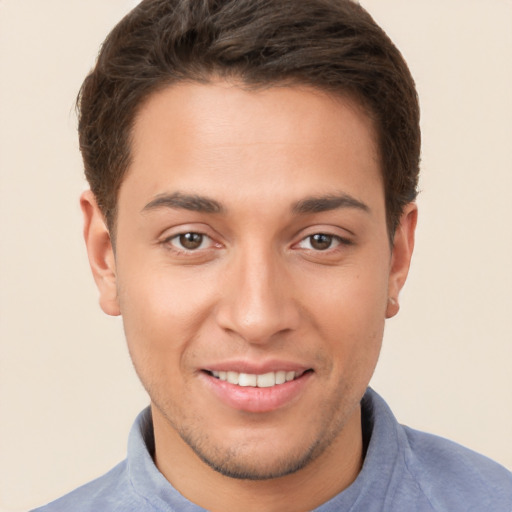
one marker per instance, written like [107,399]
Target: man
[253,168]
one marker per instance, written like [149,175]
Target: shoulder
[429,473]
[111,492]
[451,476]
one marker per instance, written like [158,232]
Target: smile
[265,380]
[259,391]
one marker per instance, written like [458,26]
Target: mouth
[261,391]
[263,380]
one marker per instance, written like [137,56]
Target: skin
[258,290]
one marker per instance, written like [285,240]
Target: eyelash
[183,250]
[338,240]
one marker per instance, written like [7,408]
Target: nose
[258,302]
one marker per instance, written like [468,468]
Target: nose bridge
[259,301]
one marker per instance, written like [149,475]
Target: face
[253,271]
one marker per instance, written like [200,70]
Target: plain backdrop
[68,394]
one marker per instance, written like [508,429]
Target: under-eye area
[265,380]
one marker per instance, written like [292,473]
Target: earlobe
[403,246]
[100,252]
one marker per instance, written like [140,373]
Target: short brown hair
[333,45]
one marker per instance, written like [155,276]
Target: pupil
[191,240]
[321,241]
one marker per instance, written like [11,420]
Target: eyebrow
[202,204]
[326,203]
[190,202]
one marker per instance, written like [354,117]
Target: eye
[321,242]
[190,241]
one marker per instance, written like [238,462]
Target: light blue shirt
[404,471]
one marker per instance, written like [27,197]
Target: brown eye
[320,241]
[189,244]
[191,241]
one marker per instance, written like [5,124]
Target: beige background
[68,394]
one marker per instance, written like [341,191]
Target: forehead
[281,141]
[234,106]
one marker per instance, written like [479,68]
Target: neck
[322,479]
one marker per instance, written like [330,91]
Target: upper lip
[256,368]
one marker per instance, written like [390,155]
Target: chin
[251,467]
[260,459]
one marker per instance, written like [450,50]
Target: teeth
[280,377]
[265,380]
[246,379]
[232,377]
[290,376]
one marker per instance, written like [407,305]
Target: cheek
[161,311]
[353,297]
[348,309]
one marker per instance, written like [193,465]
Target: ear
[100,252]
[403,245]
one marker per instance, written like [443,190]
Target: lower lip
[253,399]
